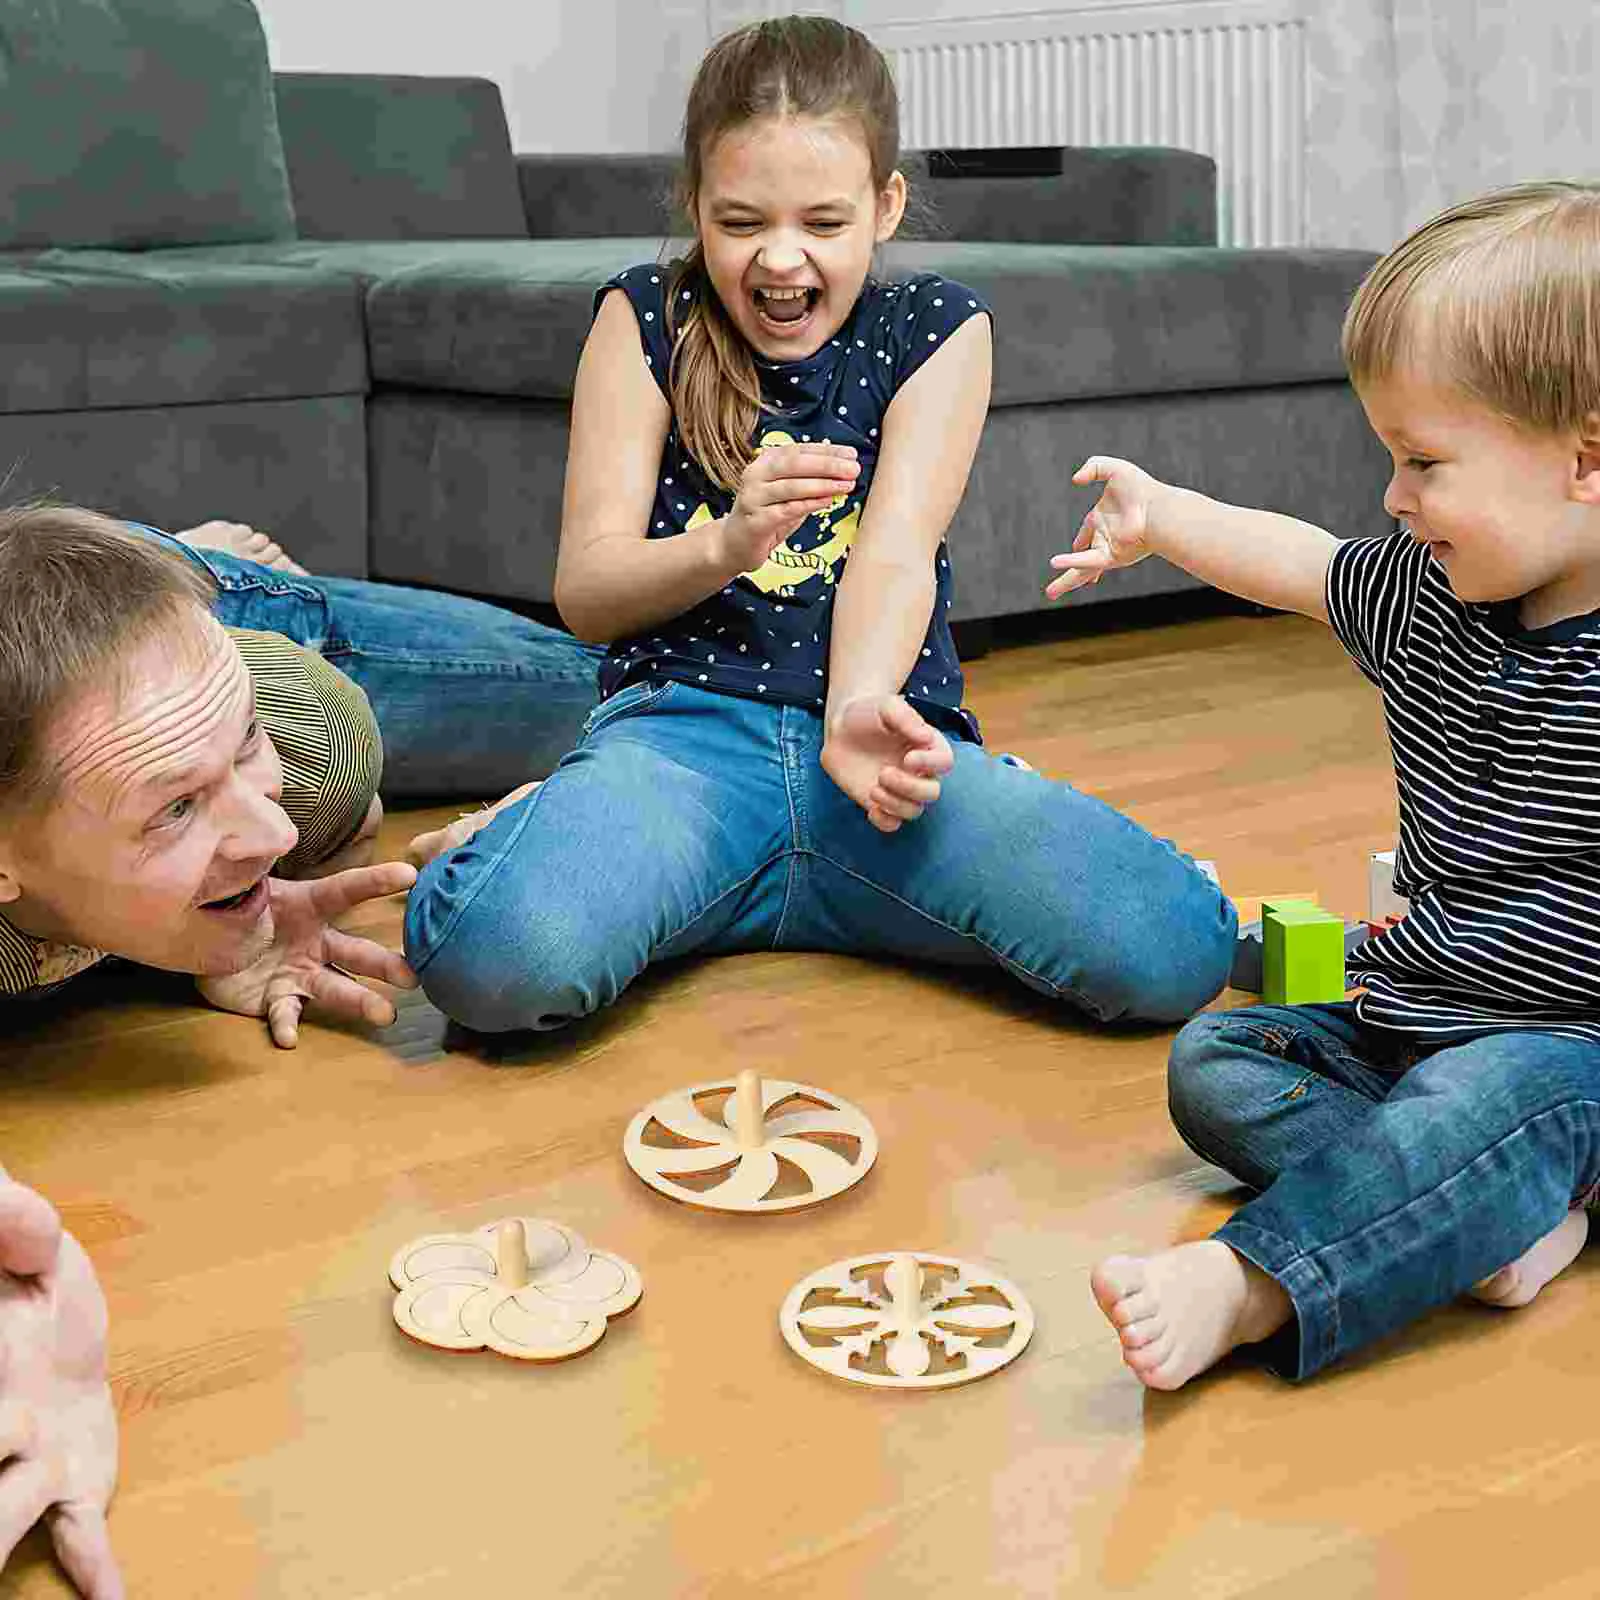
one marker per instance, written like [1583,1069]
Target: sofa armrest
[597,196]
[1072,195]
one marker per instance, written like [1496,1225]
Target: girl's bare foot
[1183,1310]
[437,841]
[237,539]
[1518,1283]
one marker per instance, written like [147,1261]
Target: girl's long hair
[784,67]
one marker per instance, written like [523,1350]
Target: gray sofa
[341,307]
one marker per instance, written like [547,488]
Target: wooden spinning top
[750,1144]
[906,1320]
[523,1287]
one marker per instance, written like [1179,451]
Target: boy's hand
[783,486]
[886,758]
[1113,533]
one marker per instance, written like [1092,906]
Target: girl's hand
[783,486]
[886,758]
[1114,532]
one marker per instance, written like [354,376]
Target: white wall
[576,74]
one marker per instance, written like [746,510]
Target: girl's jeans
[470,700]
[1394,1174]
[690,821]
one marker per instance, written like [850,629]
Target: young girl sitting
[767,445]
[1442,1132]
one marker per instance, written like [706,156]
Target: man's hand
[886,758]
[1113,534]
[310,960]
[58,1429]
[783,486]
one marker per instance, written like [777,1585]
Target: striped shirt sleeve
[324,732]
[1371,594]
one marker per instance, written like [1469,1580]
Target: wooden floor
[281,1438]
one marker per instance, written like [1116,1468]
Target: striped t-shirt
[1495,732]
[323,730]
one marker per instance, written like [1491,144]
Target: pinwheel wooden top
[906,1320]
[750,1144]
[523,1287]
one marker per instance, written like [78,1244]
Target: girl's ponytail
[716,390]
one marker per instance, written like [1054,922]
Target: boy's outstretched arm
[1274,560]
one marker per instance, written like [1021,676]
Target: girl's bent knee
[1167,974]
[497,973]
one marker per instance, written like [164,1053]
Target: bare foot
[238,539]
[436,841]
[1518,1283]
[1183,1310]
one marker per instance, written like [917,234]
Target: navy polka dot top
[765,635]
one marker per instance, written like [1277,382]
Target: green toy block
[1302,953]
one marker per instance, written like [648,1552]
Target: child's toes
[1137,1335]
[1115,1280]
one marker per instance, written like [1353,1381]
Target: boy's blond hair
[1498,297]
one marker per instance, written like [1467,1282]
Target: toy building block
[1248,953]
[1302,953]
[1384,906]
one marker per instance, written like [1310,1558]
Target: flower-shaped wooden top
[522,1287]
[750,1144]
[905,1320]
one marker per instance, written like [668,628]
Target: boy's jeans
[690,821]
[1395,1174]
[470,700]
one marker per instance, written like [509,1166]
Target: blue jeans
[470,699]
[1394,1174]
[689,821]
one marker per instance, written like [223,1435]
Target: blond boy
[1440,1133]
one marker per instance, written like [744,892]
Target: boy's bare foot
[1518,1283]
[436,841]
[238,539]
[1183,1310]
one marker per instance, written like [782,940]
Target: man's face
[165,819]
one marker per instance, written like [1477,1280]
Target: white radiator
[1226,77]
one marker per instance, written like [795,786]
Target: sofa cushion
[1071,321]
[377,157]
[103,329]
[505,316]
[137,122]
[597,196]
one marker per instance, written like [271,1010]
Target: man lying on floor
[190,755]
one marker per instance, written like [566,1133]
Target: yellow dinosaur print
[786,566]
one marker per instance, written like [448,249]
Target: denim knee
[496,974]
[1165,969]
[1202,1095]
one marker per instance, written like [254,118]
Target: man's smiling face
[163,820]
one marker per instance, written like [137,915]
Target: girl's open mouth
[784,310]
